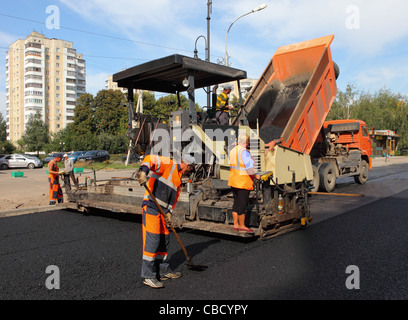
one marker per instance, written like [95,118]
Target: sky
[370,44]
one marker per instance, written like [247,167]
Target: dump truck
[342,149]
[283,115]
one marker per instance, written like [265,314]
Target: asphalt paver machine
[283,116]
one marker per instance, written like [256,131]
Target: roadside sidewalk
[383,161]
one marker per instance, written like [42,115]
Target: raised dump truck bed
[292,98]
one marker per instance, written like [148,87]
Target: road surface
[354,249]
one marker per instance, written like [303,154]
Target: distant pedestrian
[69,171]
[55,191]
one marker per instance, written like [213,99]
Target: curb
[23,211]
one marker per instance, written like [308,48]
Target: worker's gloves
[141,177]
[167,218]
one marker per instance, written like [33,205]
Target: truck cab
[343,148]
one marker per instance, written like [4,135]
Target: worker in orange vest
[242,174]
[164,183]
[55,191]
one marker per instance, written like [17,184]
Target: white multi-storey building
[44,75]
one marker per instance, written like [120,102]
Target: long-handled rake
[196,267]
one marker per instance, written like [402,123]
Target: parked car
[49,158]
[52,156]
[95,155]
[20,161]
[75,155]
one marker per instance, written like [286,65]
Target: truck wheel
[316,179]
[327,173]
[336,70]
[363,176]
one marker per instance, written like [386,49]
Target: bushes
[111,143]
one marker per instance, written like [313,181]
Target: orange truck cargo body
[292,98]
[290,103]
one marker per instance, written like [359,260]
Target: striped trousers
[156,239]
[55,191]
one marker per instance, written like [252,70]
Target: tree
[36,135]
[343,104]
[381,110]
[110,112]
[84,115]
[7,147]
[3,126]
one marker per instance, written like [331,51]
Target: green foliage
[112,143]
[7,147]
[383,110]
[36,134]
[84,116]
[164,106]
[100,122]
[110,112]
[3,125]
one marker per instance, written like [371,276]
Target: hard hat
[188,159]
[65,155]
[227,87]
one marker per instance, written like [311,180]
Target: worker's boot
[171,275]
[154,283]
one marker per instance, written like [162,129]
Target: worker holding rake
[164,186]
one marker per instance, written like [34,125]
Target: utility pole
[209,10]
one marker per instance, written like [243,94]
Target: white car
[19,161]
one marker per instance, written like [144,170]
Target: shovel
[196,267]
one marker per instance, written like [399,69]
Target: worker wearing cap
[164,183]
[55,191]
[69,171]
[222,106]
[242,174]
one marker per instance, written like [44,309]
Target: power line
[120,58]
[95,33]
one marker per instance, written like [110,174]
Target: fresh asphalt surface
[99,256]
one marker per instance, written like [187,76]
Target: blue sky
[370,45]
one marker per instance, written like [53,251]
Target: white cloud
[380,23]
[160,22]
[381,29]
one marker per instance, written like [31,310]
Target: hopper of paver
[292,98]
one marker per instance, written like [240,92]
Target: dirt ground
[31,190]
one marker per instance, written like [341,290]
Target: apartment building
[45,75]
[246,86]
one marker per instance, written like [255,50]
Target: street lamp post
[259,8]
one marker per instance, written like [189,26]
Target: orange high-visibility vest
[222,102]
[164,182]
[239,177]
[55,191]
